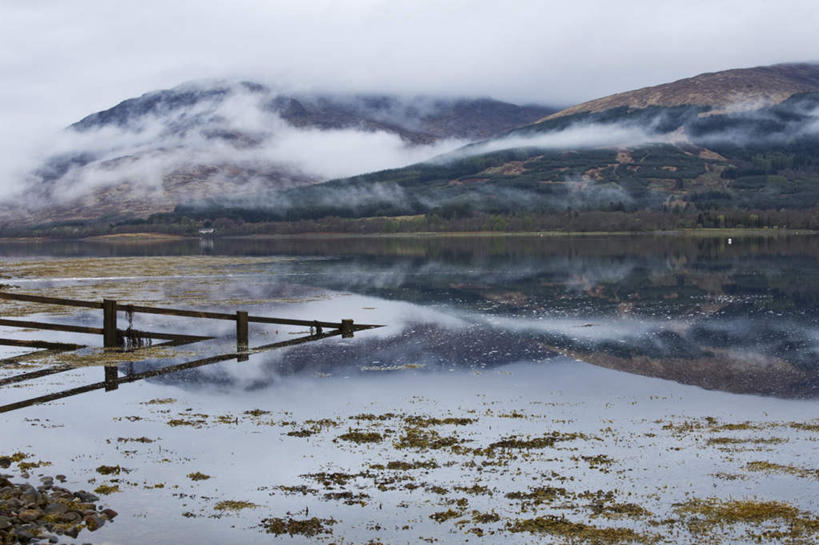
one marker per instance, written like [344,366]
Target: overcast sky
[61,60]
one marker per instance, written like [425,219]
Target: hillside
[670,156]
[660,159]
[147,155]
[741,88]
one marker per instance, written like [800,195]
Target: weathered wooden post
[109,323]
[347,329]
[111,378]
[241,335]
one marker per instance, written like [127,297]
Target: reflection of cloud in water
[434,340]
[589,330]
[594,273]
[456,307]
[424,346]
[372,275]
[392,271]
[776,337]
[784,339]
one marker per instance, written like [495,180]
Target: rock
[110,513]
[55,508]
[31,497]
[69,516]
[32,516]
[94,522]
[29,515]
[24,534]
[84,496]
[61,478]
[5,461]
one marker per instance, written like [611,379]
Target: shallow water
[669,369]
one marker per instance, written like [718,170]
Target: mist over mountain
[740,139]
[701,147]
[147,155]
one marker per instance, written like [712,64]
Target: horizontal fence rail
[99,331]
[40,344]
[178,312]
[48,300]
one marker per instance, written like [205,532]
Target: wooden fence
[118,339]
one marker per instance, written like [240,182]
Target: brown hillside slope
[749,87]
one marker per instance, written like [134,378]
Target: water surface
[664,368]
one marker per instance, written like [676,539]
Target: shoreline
[732,232]
[148,238]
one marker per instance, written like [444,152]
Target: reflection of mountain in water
[422,346]
[739,317]
[743,357]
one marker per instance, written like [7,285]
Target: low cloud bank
[237,145]
[232,136]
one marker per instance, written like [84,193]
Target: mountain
[732,148]
[681,149]
[418,119]
[148,154]
[741,88]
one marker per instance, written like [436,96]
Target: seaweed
[576,531]
[308,527]
[234,505]
[358,436]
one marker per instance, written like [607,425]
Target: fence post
[111,378]
[346,329]
[241,334]
[109,323]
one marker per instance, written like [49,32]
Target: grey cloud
[227,124]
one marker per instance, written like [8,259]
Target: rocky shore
[44,513]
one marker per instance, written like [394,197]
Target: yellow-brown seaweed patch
[575,531]
[308,527]
[234,505]
[358,436]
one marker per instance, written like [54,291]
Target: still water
[547,388]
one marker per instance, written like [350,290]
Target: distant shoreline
[732,232]
[134,237]
[148,238]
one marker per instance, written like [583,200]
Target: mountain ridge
[740,88]
[337,110]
